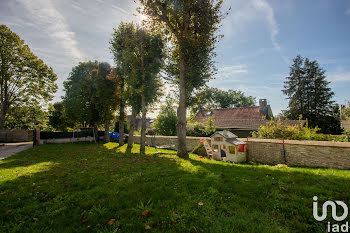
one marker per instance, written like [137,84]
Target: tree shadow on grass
[89,184]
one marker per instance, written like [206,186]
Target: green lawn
[81,187]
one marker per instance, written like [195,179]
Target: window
[232,149]
[217,139]
[216,148]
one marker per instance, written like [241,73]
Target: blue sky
[260,39]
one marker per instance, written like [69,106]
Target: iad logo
[333,205]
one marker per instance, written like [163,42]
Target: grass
[99,188]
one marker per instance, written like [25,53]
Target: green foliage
[27,84]
[197,129]
[126,125]
[309,95]
[78,93]
[90,93]
[27,117]
[58,118]
[276,129]
[210,97]
[138,54]
[165,122]
[210,127]
[346,112]
[191,27]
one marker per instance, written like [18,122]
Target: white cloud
[347,12]
[54,25]
[119,9]
[244,12]
[228,72]
[339,77]
[266,9]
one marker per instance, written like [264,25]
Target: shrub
[276,129]
[197,129]
[165,123]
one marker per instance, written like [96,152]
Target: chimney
[262,104]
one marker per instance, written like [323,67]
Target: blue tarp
[114,135]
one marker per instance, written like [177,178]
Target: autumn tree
[27,84]
[190,28]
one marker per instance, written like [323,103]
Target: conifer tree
[310,96]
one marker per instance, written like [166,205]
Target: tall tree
[105,97]
[78,94]
[309,95]
[148,54]
[25,81]
[121,47]
[90,96]
[190,28]
[293,88]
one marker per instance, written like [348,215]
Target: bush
[276,129]
[165,123]
[197,129]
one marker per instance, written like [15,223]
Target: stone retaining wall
[299,153]
[7,135]
[275,151]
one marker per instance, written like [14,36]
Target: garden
[88,187]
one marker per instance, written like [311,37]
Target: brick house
[240,121]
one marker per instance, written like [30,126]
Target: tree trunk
[143,105]
[2,116]
[181,114]
[4,104]
[132,129]
[107,131]
[143,125]
[96,131]
[121,124]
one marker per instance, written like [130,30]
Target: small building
[226,146]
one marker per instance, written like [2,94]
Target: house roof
[235,142]
[249,118]
[226,134]
[252,113]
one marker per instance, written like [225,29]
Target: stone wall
[275,151]
[299,153]
[16,135]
